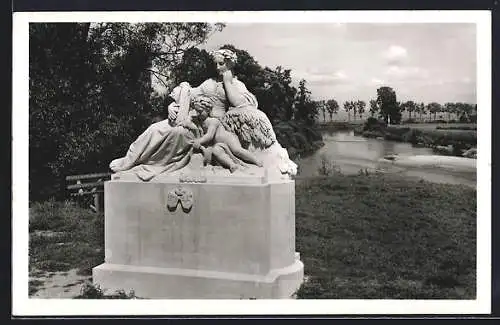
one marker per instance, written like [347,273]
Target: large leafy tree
[434,108]
[333,107]
[91,92]
[388,105]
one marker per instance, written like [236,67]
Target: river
[351,153]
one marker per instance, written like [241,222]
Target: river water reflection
[352,153]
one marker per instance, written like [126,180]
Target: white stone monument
[192,213]
[205,237]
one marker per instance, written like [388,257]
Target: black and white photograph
[293,162]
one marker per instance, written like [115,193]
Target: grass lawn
[368,236]
[386,237]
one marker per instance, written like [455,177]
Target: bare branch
[155,73]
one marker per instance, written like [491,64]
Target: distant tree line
[386,107]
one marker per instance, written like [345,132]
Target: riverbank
[443,141]
[334,126]
[365,236]
[299,139]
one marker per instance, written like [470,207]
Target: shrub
[413,136]
[372,124]
[398,131]
[410,121]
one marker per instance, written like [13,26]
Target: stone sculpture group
[245,138]
[203,204]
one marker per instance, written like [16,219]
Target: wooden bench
[89,184]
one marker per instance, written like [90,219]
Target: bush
[413,136]
[298,138]
[397,131]
[372,124]
[410,121]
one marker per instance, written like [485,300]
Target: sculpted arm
[233,91]
[212,125]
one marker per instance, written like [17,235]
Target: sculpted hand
[227,76]
[196,144]
[172,111]
[188,124]
[205,104]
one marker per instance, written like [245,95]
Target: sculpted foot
[233,168]
[118,165]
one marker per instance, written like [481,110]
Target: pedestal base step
[170,283]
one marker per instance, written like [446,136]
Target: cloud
[395,54]
[320,76]
[279,43]
[377,81]
[408,72]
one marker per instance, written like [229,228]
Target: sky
[423,62]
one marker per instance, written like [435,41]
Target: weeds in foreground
[91,291]
[328,167]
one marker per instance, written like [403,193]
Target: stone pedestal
[216,237]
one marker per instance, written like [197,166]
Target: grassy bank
[333,126]
[384,236]
[367,236]
[446,141]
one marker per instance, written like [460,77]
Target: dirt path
[56,284]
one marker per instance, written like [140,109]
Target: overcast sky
[422,62]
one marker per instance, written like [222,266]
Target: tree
[373,107]
[321,106]
[387,102]
[91,93]
[333,107]
[348,108]
[421,108]
[354,107]
[409,106]
[361,108]
[467,112]
[434,108]
[450,108]
[305,110]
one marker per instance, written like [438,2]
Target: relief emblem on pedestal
[181,196]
